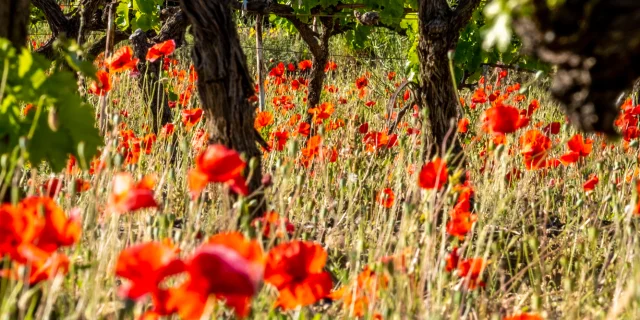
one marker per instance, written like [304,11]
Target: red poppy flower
[291,67]
[277,71]
[58,229]
[102,85]
[590,184]
[472,269]
[305,65]
[479,96]
[391,75]
[19,227]
[552,128]
[330,66]
[463,125]
[461,223]
[362,82]
[190,117]
[433,175]
[145,266]
[452,260]
[370,103]
[501,119]
[579,145]
[296,270]
[122,60]
[386,198]
[168,129]
[534,146]
[273,219]
[279,140]
[128,196]
[160,50]
[524,316]
[363,128]
[263,119]
[218,164]
[322,112]
[304,129]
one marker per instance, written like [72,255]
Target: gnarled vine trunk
[224,84]
[153,90]
[14,19]
[440,27]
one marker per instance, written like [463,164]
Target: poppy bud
[53,121]
[266,180]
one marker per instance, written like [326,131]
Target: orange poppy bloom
[190,117]
[304,129]
[479,96]
[534,146]
[463,125]
[461,223]
[362,292]
[433,175]
[218,164]
[386,198]
[330,66]
[322,112]
[145,266]
[102,85]
[305,65]
[279,138]
[122,60]
[296,270]
[263,119]
[128,196]
[391,75]
[362,82]
[581,146]
[160,50]
[472,269]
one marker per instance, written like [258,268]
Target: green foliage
[60,124]
[146,14]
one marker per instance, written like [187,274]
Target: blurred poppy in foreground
[433,175]
[30,235]
[127,195]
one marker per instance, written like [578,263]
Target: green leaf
[25,62]
[122,15]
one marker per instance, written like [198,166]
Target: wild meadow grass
[551,248]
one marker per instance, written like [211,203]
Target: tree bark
[153,90]
[596,48]
[14,19]
[224,84]
[440,28]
